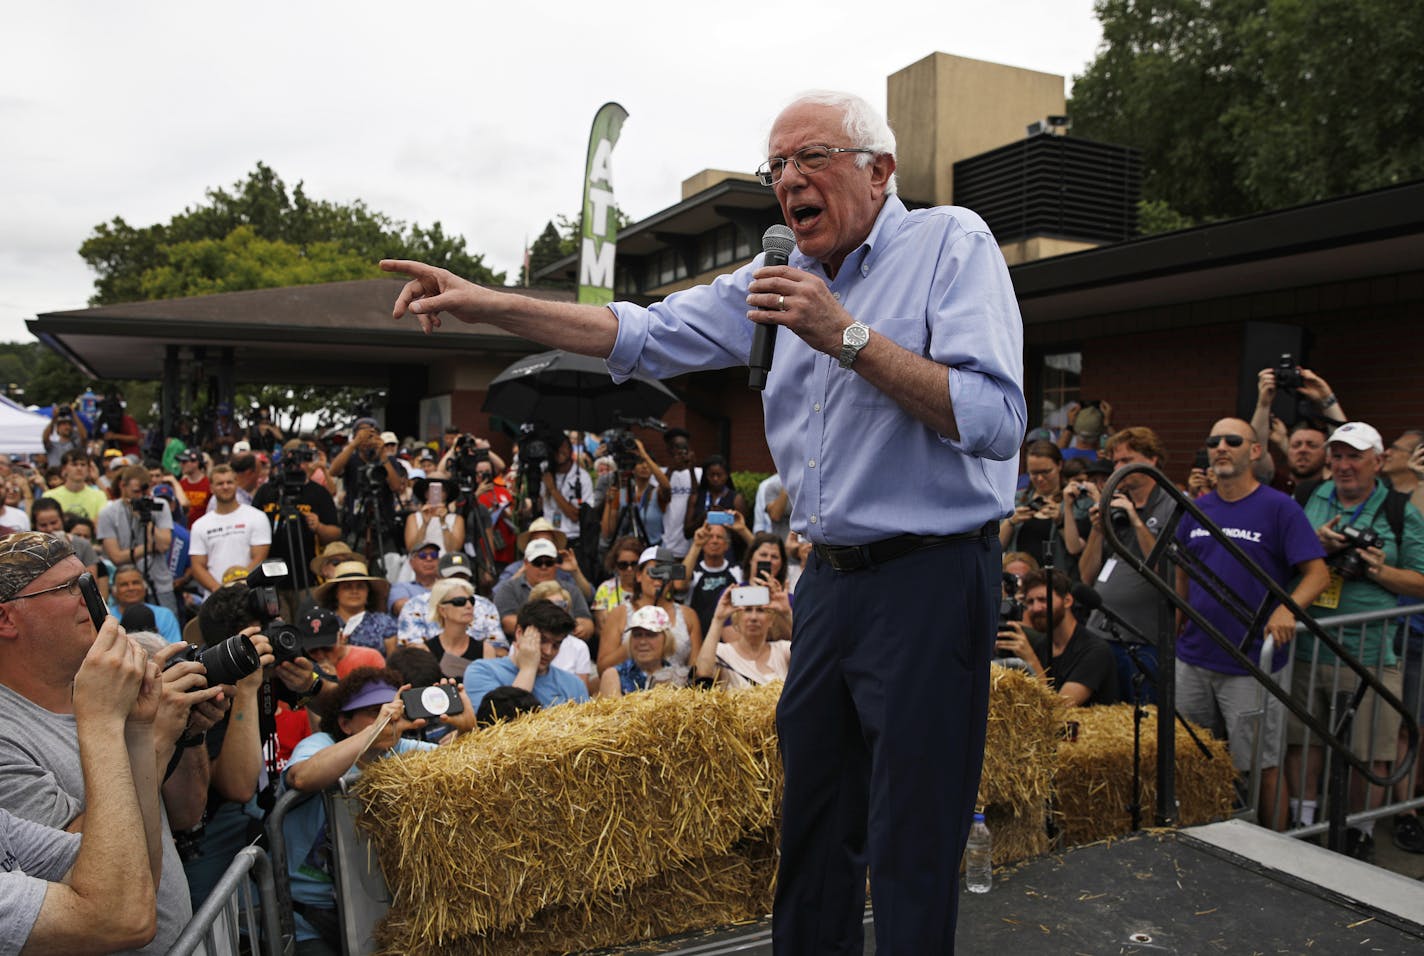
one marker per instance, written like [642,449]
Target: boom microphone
[777,243]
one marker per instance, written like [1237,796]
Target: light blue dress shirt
[857,467]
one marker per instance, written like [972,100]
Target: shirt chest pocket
[908,332]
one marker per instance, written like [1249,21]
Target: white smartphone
[751,595]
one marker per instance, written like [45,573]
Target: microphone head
[1086,596]
[777,242]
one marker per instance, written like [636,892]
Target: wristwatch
[855,337]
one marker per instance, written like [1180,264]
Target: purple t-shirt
[1274,532]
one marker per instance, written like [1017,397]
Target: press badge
[1330,597]
[1107,570]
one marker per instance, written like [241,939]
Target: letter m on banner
[599,239]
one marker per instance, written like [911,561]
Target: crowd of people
[346,575]
[1329,513]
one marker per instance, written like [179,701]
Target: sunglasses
[458,601]
[427,555]
[543,562]
[627,565]
[1232,441]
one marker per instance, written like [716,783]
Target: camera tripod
[630,515]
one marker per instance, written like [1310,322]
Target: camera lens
[230,661]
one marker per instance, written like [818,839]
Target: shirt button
[811,463]
[813,519]
[816,407]
[865,270]
[836,296]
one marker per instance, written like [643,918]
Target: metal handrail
[277,844]
[1364,617]
[252,860]
[1166,545]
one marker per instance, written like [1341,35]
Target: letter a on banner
[599,238]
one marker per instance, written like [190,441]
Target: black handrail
[1167,545]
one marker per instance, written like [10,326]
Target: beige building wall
[708,178]
[946,108]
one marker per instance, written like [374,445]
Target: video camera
[669,570]
[537,443]
[111,414]
[293,476]
[467,459]
[623,447]
[1349,562]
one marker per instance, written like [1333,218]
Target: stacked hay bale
[1094,779]
[1021,744]
[581,826]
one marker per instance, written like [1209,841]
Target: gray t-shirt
[1123,589]
[119,522]
[513,594]
[40,780]
[30,856]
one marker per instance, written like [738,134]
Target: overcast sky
[475,114]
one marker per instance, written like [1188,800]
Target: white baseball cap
[1358,435]
[541,548]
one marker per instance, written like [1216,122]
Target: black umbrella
[572,391]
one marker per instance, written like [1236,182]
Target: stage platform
[1223,888]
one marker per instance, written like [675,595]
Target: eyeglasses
[1233,441]
[627,565]
[427,555]
[808,159]
[1042,474]
[71,588]
[543,562]
[458,601]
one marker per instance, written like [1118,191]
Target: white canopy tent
[20,429]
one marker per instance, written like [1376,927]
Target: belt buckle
[848,559]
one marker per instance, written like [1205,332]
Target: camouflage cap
[27,555]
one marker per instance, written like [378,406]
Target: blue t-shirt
[1274,532]
[556,686]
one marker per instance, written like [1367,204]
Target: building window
[1061,375]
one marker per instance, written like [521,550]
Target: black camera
[146,506]
[289,642]
[668,571]
[624,448]
[1288,373]
[63,413]
[225,663]
[467,458]
[537,443]
[111,414]
[1349,562]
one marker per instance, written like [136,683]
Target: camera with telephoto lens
[1288,373]
[293,476]
[225,663]
[146,506]
[467,459]
[1350,562]
[263,607]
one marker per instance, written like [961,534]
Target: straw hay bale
[1021,741]
[1094,779]
[711,891]
[567,805]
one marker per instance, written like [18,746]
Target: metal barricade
[231,915]
[1309,764]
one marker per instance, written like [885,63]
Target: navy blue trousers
[881,725]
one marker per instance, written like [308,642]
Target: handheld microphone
[777,242]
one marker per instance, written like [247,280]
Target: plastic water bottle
[978,857]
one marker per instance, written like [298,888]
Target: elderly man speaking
[894,412]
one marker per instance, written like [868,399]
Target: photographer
[364,720]
[62,433]
[1307,385]
[261,434]
[138,530]
[648,484]
[117,427]
[564,488]
[303,518]
[1374,546]
[95,892]
[373,482]
[1081,666]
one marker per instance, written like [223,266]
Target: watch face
[857,335]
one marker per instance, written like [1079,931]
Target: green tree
[260,217]
[1245,105]
[548,248]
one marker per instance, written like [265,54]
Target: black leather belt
[858,558]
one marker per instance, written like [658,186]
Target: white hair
[863,124]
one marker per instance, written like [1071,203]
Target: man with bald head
[1213,689]
[903,354]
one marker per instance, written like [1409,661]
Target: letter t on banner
[599,238]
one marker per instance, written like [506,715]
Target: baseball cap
[373,694]
[320,628]
[389,438]
[1088,423]
[1358,435]
[241,447]
[112,453]
[189,455]
[650,618]
[1098,466]
[541,548]
[456,563]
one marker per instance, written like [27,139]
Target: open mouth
[805,214]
